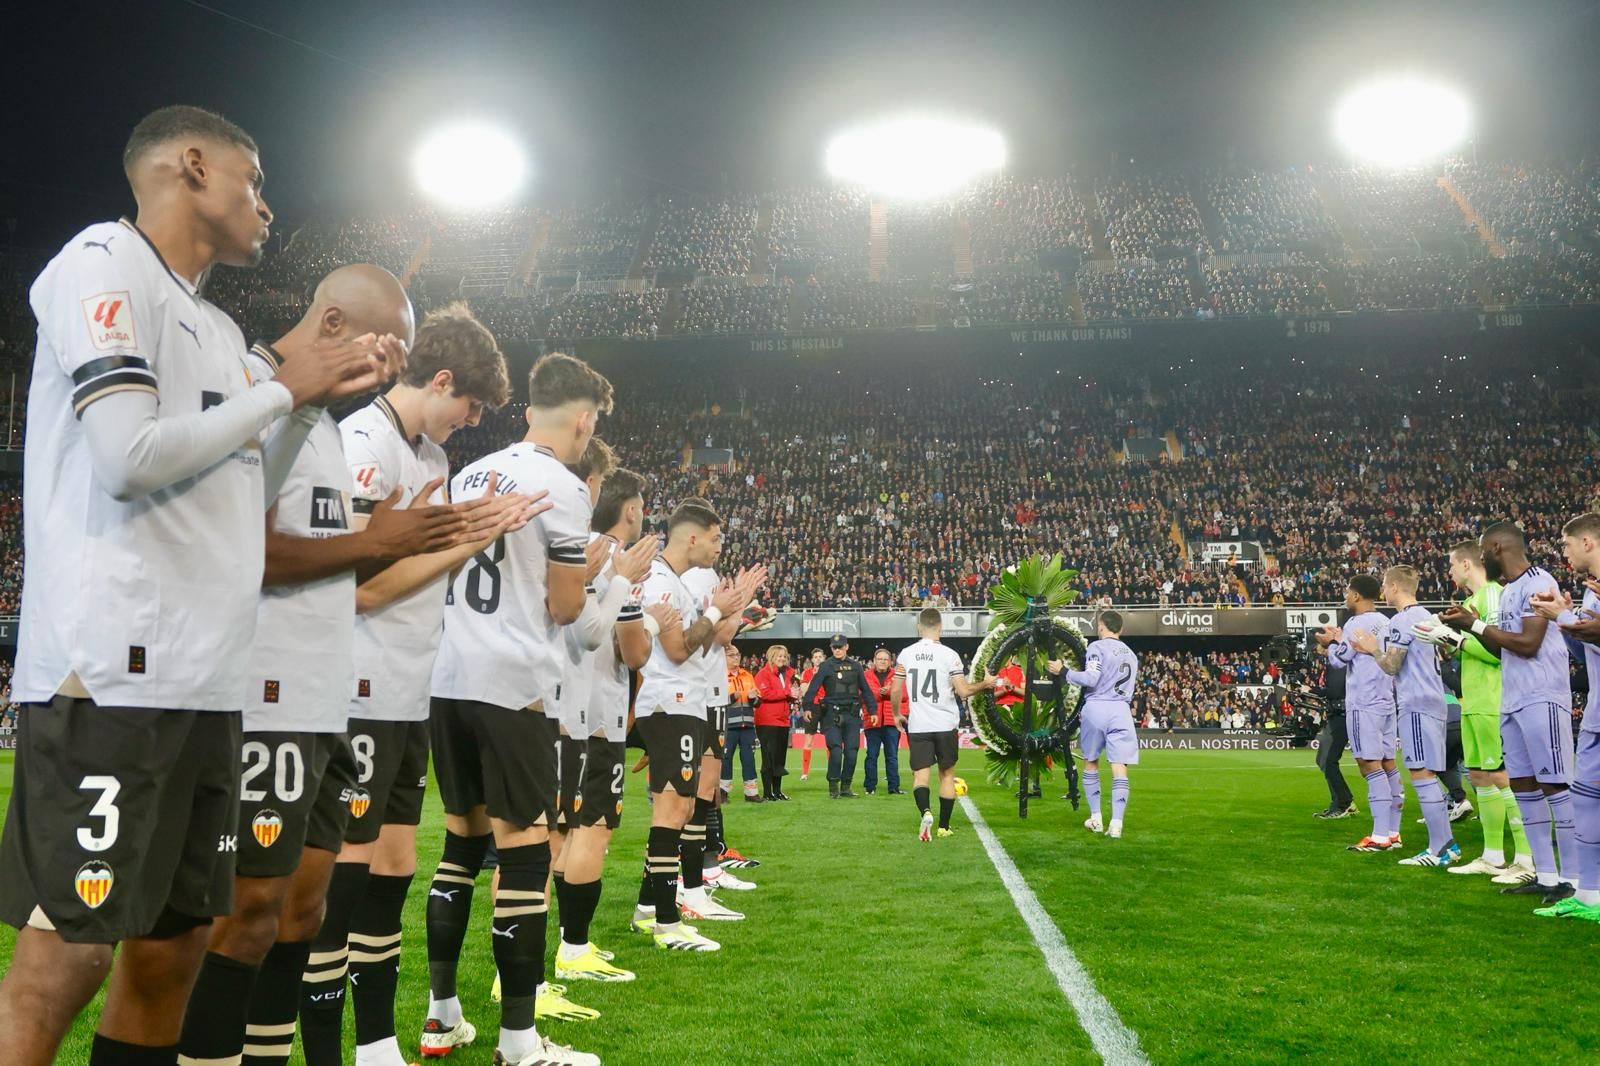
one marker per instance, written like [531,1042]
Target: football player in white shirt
[145,486]
[454,371]
[928,677]
[297,760]
[702,582]
[496,690]
[670,718]
[607,642]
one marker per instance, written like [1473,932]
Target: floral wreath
[1023,626]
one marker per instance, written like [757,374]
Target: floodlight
[1401,121]
[469,165]
[916,157]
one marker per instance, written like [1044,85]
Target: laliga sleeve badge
[93,882]
[266,827]
[269,692]
[364,691]
[135,658]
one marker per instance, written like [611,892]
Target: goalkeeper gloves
[1438,634]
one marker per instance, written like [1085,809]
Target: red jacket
[774,685]
[882,689]
[1013,674]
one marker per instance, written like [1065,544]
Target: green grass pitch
[1227,926]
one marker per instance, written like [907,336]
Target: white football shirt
[500,644]
[150,601]
[301,662]
[667,687]
[394,645]
[927,668]
[702,581]
[594,684]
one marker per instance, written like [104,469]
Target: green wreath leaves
[1026,594]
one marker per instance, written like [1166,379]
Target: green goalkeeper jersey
[1480,668]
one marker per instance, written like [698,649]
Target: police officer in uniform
[843,684]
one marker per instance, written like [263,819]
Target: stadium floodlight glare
[469,165]
[1401,121]
[915,156]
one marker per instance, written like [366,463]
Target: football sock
[1435,811]
[1586,817]
[692,845]
[920,796]
[1566,840]
[1379,802]
[213,1026]
[375,955]
[661,858]
[647,892]
[1119,798]
[1519,833]
[1091,792]
[448,912]
[1397,797]
[108,1052]
[385,1052]
[577,911]
[716,842]
[946,805]
[1492,813]
[518,932]
[558,880]
[269,1028]
[323,987]
[1536,823]
[805,757]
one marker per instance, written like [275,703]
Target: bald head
[362,298]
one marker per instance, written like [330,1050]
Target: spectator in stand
[778,689]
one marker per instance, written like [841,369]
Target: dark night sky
[699,95]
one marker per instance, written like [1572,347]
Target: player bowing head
[566,398]
[453,373]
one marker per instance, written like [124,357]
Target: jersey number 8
[483,578]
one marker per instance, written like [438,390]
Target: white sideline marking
[1113,1040]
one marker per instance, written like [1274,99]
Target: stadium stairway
[799,304]
[1210,217]
[760,264]
[672,313]
[877,241]
[1073,299]
[418,258]
[1496,249]
[1342,217]
[1097,229]
[961,245]
[1175,534]
[536,242]
[647,234]
[1174,447]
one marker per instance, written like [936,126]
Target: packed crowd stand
[1275,248]
[871,487]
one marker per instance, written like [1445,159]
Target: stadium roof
[647,96]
